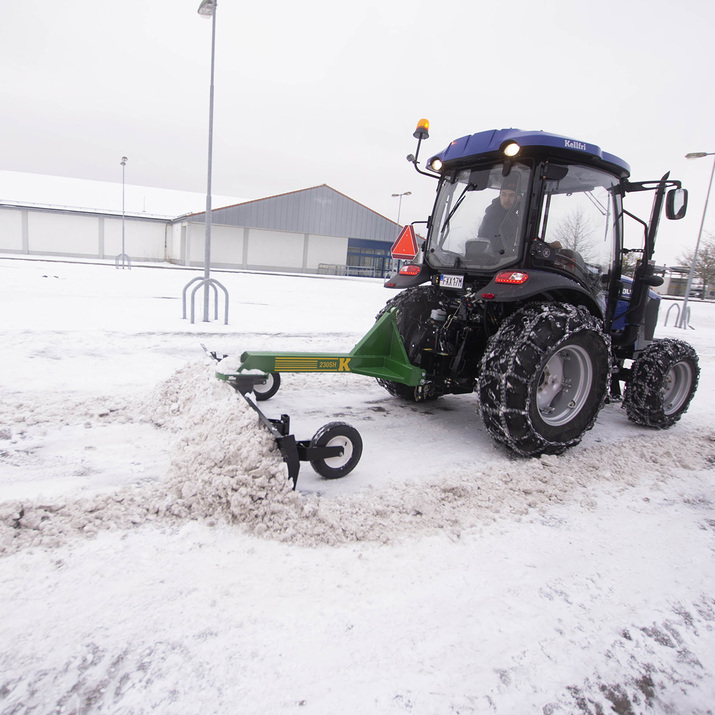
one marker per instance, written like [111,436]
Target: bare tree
[576,232]
[628,264]
[705,264]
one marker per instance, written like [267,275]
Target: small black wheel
[337,434]
[662,383]
[265,390]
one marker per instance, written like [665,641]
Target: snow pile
[221,471]
[226,465]
[226,468]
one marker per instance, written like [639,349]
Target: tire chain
[643,396]
[502,365]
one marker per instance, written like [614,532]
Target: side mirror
[676,204]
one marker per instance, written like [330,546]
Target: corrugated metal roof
[318,210]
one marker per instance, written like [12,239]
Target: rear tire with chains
[543,378]
[662,383]
[412,309]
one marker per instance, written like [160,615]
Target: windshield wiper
[589,195]
[445,228]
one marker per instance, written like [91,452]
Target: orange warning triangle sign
[406,244]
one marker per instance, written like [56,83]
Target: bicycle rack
[124,258]
[206,283]
[677,316]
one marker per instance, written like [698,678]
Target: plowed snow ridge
[226,467]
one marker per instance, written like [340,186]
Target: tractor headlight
[435,164]
[511,149]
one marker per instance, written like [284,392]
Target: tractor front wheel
[662,383]
[543,378]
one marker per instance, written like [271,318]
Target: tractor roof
[494,140]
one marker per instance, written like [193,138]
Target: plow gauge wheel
[342,435]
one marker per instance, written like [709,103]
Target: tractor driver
[501,217]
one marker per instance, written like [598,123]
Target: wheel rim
[342,460]
[677,387]
[564,385]
[267,386]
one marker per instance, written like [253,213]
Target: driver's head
[507,193]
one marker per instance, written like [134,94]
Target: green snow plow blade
[379,354]
[336,447]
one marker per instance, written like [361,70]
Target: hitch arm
[380,353]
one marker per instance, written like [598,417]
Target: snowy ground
[152,557]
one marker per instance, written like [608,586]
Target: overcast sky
[320,91]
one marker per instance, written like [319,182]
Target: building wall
[142,241]
[226,245]
[175,243]
[303,248]
[276,248]
[61,233]
[11,230]
[326,249]
[254,248]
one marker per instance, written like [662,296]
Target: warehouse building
[315,230]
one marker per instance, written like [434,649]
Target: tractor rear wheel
[662,383]
[543,378]
[413,308]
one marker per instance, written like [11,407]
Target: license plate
[447,281]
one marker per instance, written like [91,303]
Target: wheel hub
[564,385]
[676,387]
[346,444]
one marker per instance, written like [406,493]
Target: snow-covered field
[154,559]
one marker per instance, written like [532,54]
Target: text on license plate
[447,281]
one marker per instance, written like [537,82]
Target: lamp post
[124,257]
[399,205]
[207,9]
[683,322]
[124,164]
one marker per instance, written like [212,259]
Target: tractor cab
[501,216]
[523,213]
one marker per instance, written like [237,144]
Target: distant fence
[336,269]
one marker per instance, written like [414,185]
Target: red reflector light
[410,270]
[511,277]
[488,296]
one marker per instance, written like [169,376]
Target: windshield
[478,218]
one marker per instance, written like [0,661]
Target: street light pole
[207,9]
[683,322]
[123,256]
[399,205]
[124,164]
[209,6]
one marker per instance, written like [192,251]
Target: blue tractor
[517,292]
